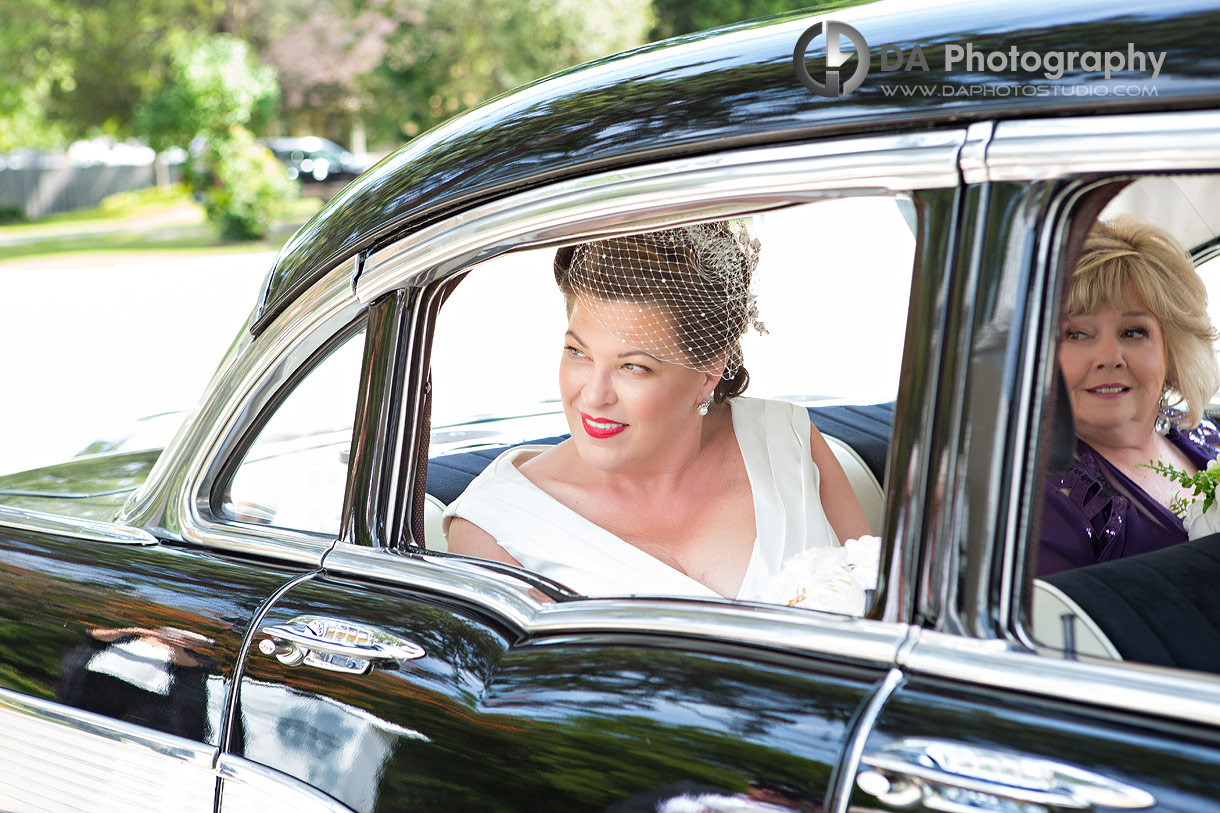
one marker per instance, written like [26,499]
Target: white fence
[42,190]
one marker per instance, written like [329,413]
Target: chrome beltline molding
[1053,148]
[88,529]
[182,476]
[43,745]
[659,194]
[1192,697]
[854,639]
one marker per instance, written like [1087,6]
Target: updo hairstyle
[697,276]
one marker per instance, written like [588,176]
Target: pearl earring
[705,405]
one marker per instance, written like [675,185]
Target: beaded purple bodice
[1095,513]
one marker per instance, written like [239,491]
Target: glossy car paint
[581,721]
[118,635]
[1176,763]
[88,488]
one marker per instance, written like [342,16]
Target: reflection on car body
[138,588]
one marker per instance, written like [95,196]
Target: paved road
[92,343]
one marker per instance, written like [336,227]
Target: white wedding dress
[547,537]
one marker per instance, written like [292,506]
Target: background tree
[70,69]
[322,51]
[674,17]
[31,65]
[214,90]
[448,55]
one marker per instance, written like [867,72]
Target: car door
[996,710]
[401,677]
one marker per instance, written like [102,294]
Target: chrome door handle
[959,778]
[334,644]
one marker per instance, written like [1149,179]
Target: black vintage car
[263,615]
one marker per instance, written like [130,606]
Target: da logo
[835,58]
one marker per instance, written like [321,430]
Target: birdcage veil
[683,295]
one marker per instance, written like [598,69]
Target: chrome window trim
[1030,399]
[1067,149]
[973,160]
[283,791]
[1144,690]
[404,461]
[178,500]
[1030,404]
[1043,149]
[91,530]
[656,195]
[859,640]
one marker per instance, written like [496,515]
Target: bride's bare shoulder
[547,465]
[468,539]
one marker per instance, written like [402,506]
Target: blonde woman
[1135,350]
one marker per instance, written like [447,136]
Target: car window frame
[250,432]
[176,500]
[978,569]
[739,182]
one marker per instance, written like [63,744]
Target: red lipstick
[601,427]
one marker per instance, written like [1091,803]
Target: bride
[671,483]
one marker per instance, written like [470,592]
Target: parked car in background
[314,160]
[264,614]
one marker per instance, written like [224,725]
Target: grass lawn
[147,220]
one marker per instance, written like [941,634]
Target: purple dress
[1095,513]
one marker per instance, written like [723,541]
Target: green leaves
[214,88]
[445,56]
[246,189]
[1202,483]
[214,83]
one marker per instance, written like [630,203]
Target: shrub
[244,188]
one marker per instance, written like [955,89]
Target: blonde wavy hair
[1125,260]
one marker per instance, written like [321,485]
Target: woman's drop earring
[1166,415]
[705,405]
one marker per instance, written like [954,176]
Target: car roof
[735,87]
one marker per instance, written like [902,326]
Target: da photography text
[840,77]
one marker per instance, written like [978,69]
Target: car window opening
[490,396]
[1126,566]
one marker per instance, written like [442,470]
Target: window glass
[832,285]
[294,474]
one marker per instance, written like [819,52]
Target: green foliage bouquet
[1199,518]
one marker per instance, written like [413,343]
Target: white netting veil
[682,295]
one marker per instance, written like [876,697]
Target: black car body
[182,629]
